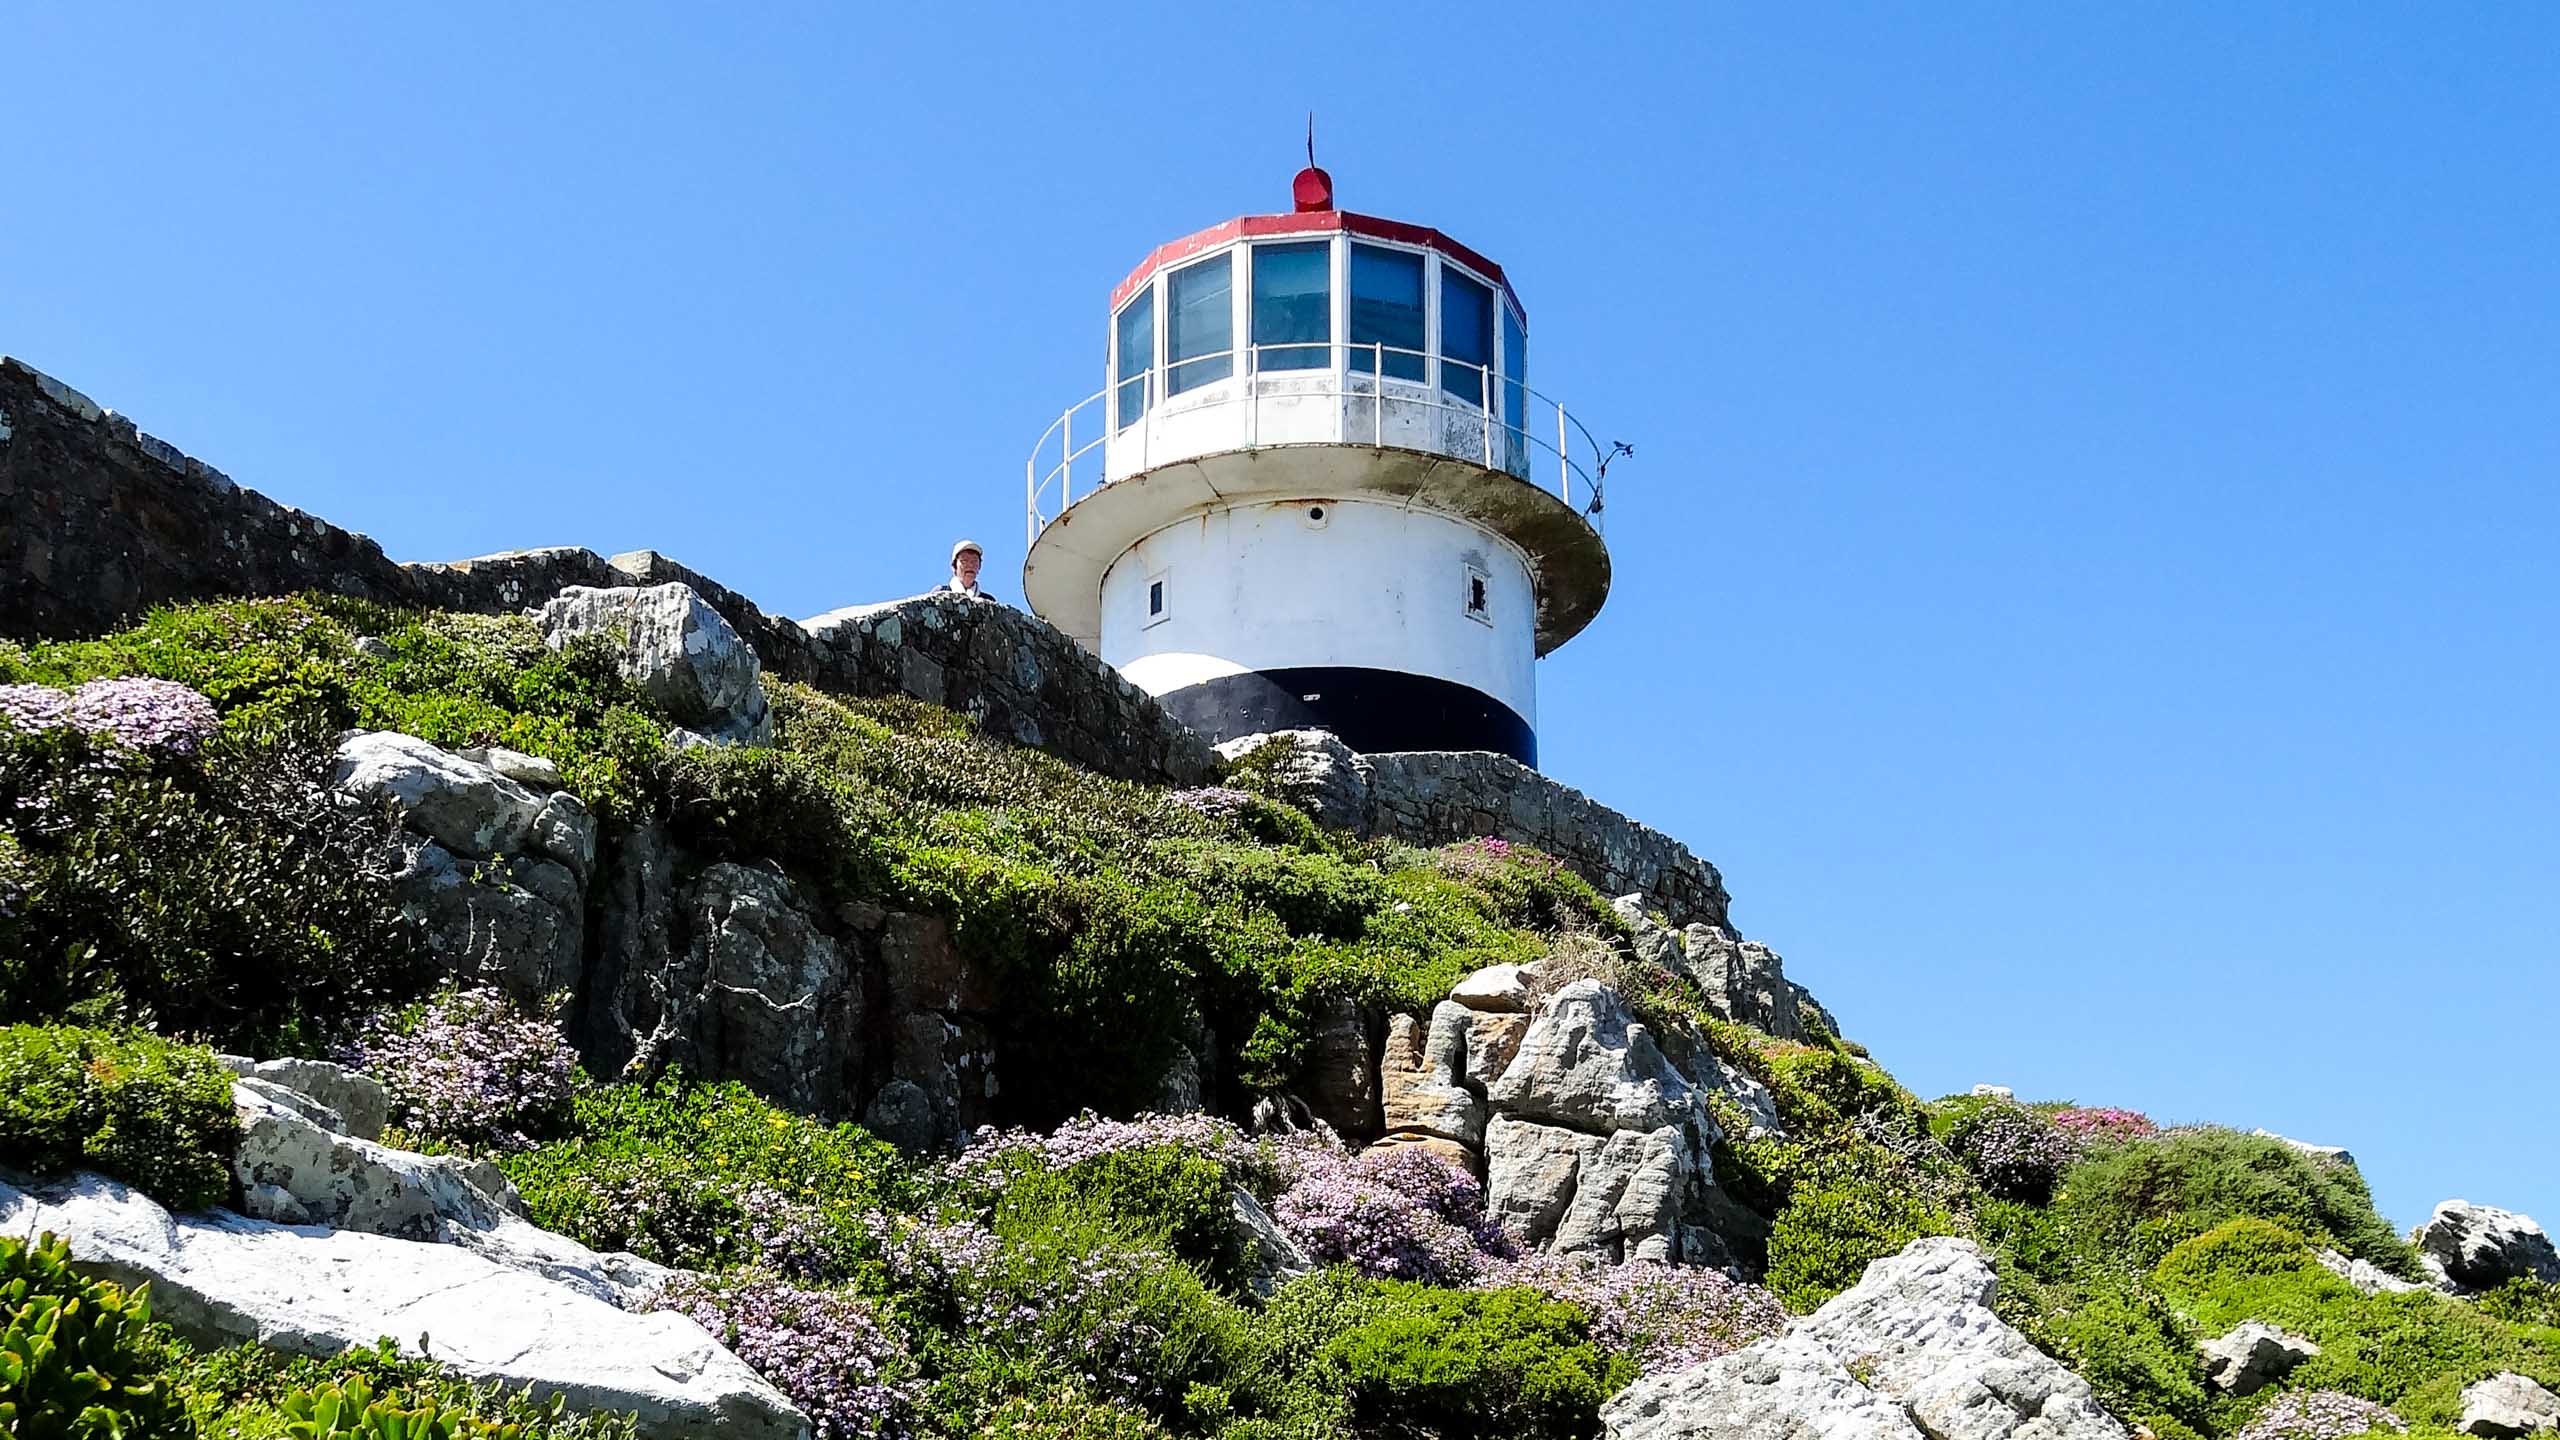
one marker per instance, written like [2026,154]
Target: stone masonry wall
[100,522]
[1432,797]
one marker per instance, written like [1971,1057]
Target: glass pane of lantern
[1137,345]
[1386,309]
[1515,396]
[1466,335]
[1293,306]
[1199,325]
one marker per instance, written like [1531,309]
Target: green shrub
[247,1392]
[152,1113]
[1406,1359]
[1163,1197]
[1846,1208]
[2143,1199]
[2413,1351]
[78,1359]
[698,1176]
[2524,1302]
[229,896]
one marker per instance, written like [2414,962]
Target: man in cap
[966,557]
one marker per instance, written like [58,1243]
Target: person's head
[966,557]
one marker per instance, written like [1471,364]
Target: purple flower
[157,717]
[2015,1153]
[30,708]
[1089,1137]
[827,1350]
[1398,1214]
[1218,802]
[470,1067]
[1668,1317]
[2318,1415]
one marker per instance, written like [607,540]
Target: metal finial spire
[1311,139]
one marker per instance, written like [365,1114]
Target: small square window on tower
[1479,595]
[1158,608]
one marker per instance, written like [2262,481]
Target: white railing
[1076,454]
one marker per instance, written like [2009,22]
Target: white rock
[516,765]
[1918,1327]
[1784,1388]
[1995,1092]
[221,1278]
[2506,1405]
[1319,774]
[2252,1356]
[2481,1247]
[463,805]
[2334,1154]
[1498,989]
[2367,1277]
[355,1097]
[1274,1258]
[674,646]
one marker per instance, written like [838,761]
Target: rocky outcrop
[942,1054]
[221,1278]
[2479,1247]
[1341,1072]
[494,870]
[2328,1154]
[1595,1142]
[2253,1356]
[681,653]
[1272,1259]
[355,1099]
[1914,1339]
[2507,1405]
[1313,770]
[1744,980]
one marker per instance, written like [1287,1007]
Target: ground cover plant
[141,1109]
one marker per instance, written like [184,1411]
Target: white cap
[967,545]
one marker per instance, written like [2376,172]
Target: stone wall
[100,522]
[1434,797]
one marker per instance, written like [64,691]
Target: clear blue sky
[2087,575]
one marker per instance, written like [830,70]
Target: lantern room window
[1293,306]
[1466,336]
[1137,350]
[1386,309]
[1199,324]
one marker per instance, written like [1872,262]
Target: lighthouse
[1316,489]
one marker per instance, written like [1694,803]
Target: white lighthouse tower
[1318,491]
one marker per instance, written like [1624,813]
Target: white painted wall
[1263,587]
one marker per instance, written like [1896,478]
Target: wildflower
[470,1067]
[2319,1415]
[827,1350]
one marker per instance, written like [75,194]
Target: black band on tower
[1371,710]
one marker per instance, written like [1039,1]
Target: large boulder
[1341,1073]
[1919,1328]
[1587,1064]
[2252,1356]
[674,646]
[1915,1337]
[221,1278]
[2480,1246]
[2507,1405]
[1784,1388]
[493,869]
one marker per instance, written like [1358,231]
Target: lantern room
[1317,490]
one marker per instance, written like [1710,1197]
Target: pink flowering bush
[1400,1214]
[992,1153]
[2103,1125]
[1666,1317]
[2318,1415]
[159,718]
[828,1350]
[471,1068]
[1218,802]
